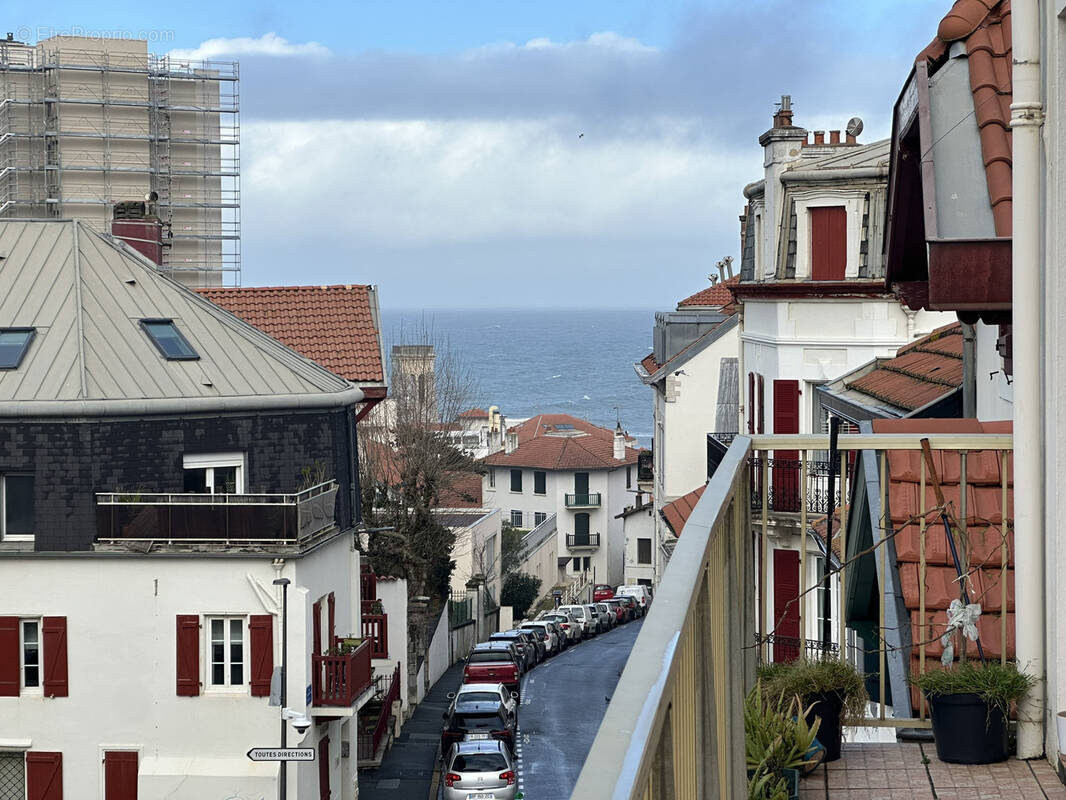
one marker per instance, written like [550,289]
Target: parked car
[641,593]
[494,662]
[571,627]
[526,649]
[630,602]
[607,614]
[535,641]
[599,619]
[484,693]
[478,768]
[583,618]
[562,638]
[602,591]
[620,609]
[478,722]
[546,635]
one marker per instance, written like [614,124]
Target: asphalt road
[563,702]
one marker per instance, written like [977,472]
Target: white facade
[477,547]
[121,616]
[642,549]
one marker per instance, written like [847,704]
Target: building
[162,465]
[638,528]
[479,432]
[560,464]
[88,123]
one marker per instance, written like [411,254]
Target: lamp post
[284,584]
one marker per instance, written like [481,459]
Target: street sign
[282,754]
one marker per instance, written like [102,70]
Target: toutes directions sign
[282,754]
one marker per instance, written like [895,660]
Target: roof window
[14,342]
[168,340]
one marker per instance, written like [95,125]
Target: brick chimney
[834,137]
[783,117]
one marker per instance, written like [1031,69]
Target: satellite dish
[854,126]
[151,197]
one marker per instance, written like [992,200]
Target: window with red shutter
[323,769]
[829,243]
[261,641]
[331,605]
[55,656]
[785,473]
[188,647]
[9,657]
[120,775]
[762,406]
[751,402]
[316,629]
[44,776]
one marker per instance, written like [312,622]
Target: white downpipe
[1027,118]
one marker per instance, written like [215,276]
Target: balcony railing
[340,680]
[576,541]
[376,631]
[229,518]
[587,500]
[674,727]
[783,491]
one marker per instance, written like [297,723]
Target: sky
[515,153]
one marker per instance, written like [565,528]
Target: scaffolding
[83,129]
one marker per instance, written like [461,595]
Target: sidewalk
[407,769]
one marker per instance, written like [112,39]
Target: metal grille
[12,776]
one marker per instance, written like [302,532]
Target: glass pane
[169,340]
[13,346]
[33,676]
[19,515]
[236,675]
[196,481]
[218,630]
[218,652]
[225,480]
[218,674]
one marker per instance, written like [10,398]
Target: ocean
[531,361]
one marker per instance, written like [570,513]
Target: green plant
[996,684]
[312,475]
[807,678]
[521,591]
[776,737]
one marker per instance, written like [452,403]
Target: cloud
[269,44]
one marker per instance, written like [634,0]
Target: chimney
[834,137]
[721,270]
[619,444]
[510,442]
[743,227]
[850,139]
[132,224]
[728,262]
[819,137]
[781,147]
[783,117]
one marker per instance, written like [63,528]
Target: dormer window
[168,340]
[14,342]
[829,243]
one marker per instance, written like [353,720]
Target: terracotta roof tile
[922,372]
[474,413]
[335,326]
[544,442]
[650,364]
[716,295]
[461,490]
[677,513]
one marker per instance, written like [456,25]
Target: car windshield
[484,656]
[478,722]
[478,697]
[578,612]
[478,762]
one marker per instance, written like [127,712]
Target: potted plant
[831,690]
[969,706]
[778,742]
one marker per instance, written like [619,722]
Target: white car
[571,627]
[584,620]
[639,593]
[485,693]
[546,634]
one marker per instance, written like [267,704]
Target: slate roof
[716,295]
[86,294]
[543,444]
[335,326]
[676,514]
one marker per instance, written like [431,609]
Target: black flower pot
[968,730]
[827,706]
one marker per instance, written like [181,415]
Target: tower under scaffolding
[88,123]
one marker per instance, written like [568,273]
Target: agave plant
[776,737]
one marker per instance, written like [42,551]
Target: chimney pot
[819,137]
[834,137]
[849,139]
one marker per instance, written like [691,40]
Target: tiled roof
[544,443]
[677,513]
[474,413]
[716,295]
[461,490]
[985,27]
[335,326]
[649,363]
[984,516]
[922,372]
[819,528]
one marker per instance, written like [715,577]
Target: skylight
[14,342]
[168,339]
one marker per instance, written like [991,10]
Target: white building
[477,548]
[641,560]
[479,432]
[560,464]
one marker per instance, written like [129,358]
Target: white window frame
[227,687]
[4,535]
[23,688]
[543,516]
[209,461]
[492,477]
[852,202]
[521,518]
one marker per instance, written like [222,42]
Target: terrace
[677,712]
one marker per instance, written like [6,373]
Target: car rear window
[478,697]
[485,656]
[577,612]
[478,722]
[478,762]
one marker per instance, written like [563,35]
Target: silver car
[485,693]
[544,632]
[571,627]
[584,620]
[479,770]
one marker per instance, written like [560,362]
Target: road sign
[282,754]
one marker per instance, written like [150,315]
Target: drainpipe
[969,372]
[1027,119]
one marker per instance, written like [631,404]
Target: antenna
[617,415]
[854,127]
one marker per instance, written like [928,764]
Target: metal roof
[85,295]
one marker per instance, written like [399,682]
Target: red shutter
[762,406]
[55,656]
[786,470]
[331,605]
[120,775]
[316,629]
[751,402]
[261,641]
[9,657]
[188,655]
[44,776]
[786,605]
[829,243]
[323,769]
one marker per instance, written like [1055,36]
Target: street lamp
[284,584]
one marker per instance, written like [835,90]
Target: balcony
[582,541]
[677,711]
[587,500]
[216,518]
[376,632]
[338,681]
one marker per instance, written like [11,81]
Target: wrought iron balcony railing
[587,500]
[576,541]
[221,518]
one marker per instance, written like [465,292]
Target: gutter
[837,174]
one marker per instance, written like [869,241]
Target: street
[563,702]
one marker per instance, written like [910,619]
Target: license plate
[474,737]
[481,796]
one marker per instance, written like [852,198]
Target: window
[13,774]
[168,340]
[629,477]
[14,342]
[214,473]
[829,243]
[226,650]
[538,518]
[30,654]
[18,520]
[576,564]
[540,480]
[33,656]
[492,478]
[516,519]
[581,526]
[516,480]
[587,561]
[643,551]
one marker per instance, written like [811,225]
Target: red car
[601,592]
